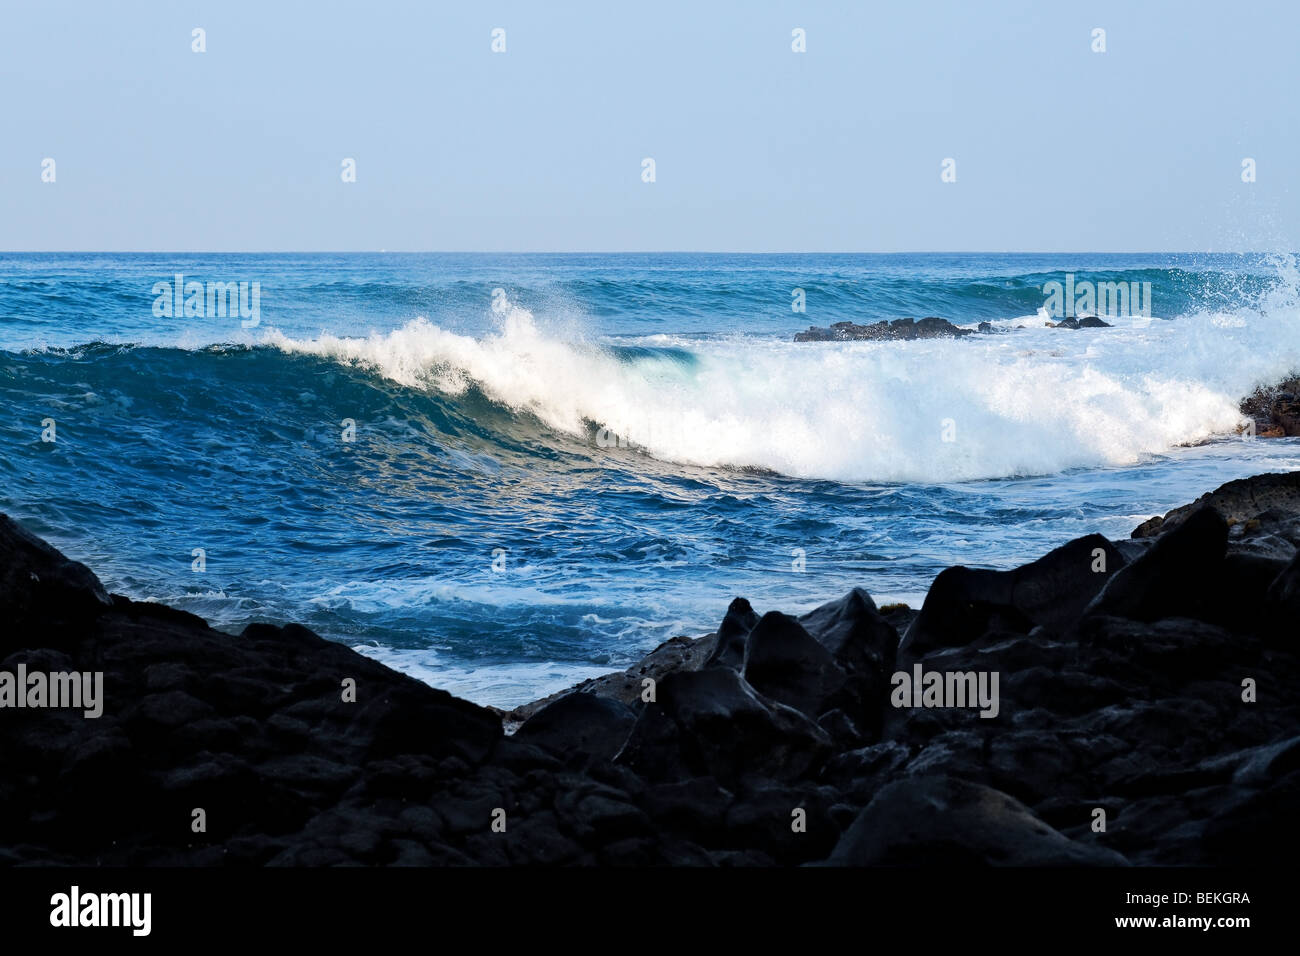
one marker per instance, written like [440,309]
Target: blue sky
[757,148]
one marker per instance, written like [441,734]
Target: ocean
[505,473]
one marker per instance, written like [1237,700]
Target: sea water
[506,473]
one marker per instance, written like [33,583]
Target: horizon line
[645,252]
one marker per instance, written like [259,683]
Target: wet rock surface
[1146,713]
[884,330]
[931,327]
[1275,410]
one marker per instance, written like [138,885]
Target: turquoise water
[558,461]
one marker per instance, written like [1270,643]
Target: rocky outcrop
[943,820]
[1177,577]
[898,329]
[927,328]
[1086,322]
[1275,410]
[1251,507]
[255,731]
[964,603]
[1111,703]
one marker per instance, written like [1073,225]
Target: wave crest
[1031,401]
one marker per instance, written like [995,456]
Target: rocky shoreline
[1112,703]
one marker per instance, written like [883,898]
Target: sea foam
[1024,400]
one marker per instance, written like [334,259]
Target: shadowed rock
[580,723]
[785,663]
[1175,577]
[42,591]
[1282,600]
[729,650]
[679,653]
[854,631]
[964,603]
[863,643]
[253,729]
[713,723]
[942,821]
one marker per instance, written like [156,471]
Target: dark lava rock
[927,328]
[1176,575]
[42,591]
[863,643]
[1155,678]
[1282,600]
[793,824]
[676,654]
[785,663]
[1276,410]
[965,603]
[898,329]
[193,718]
[580,723]
[729,648]
[944,821]
[1274,498]
[695,807]
[858,637]
[713,723]
[1086,322]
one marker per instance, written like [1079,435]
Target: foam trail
[1032,401]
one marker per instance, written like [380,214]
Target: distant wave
[963,299]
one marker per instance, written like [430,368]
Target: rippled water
[560,461]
